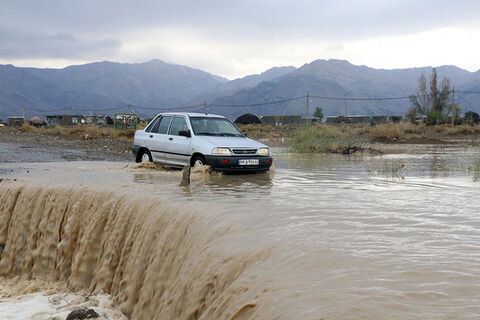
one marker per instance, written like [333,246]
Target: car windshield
[208,126]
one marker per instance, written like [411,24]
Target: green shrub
[435,117]
[472,117]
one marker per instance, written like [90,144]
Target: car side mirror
[245,134]
[185,133]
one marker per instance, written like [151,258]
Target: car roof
[191,114]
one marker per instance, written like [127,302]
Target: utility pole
[306,114]
[23,112]
[205,106]
[454,109]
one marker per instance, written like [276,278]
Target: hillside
[338,78]
[150,87]
[99,86]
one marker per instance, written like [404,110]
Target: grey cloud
[247,18]
[30,45]
[55,28]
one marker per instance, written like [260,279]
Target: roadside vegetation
[327,139]
[323,138]
[80,132]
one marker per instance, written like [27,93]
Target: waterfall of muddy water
[323,237]
[159,262]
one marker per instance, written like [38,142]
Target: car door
[177,149]
[157,138]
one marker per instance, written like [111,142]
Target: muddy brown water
[322,237]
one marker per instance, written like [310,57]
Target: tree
[434,99]
[472,117]
[439,97]
[318,113]
[421,101]
[411,115]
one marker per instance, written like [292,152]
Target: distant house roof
[36,120]
[248,118]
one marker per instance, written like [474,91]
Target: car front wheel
[145,156]
[198,161]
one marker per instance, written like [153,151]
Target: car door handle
[151,136]
[170,139]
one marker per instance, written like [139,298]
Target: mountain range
[154,86]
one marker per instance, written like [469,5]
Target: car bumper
[135,150]
[230,163]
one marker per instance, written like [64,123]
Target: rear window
[163,125]
[152,124]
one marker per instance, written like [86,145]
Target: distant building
[379,119]
[37,122]
[65,119]
[15,121]
[359,120]
[248,118]
[312,119]
[337,120]
[99,119]
[278,120]
[74,119]
[420,119]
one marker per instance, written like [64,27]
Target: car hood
[231,142]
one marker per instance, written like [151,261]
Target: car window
[163,125]
[178,124]
[153,126]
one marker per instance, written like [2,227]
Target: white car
[195,139]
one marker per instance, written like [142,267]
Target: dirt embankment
[29,146]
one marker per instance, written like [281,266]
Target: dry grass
[391,132]
[80,132]
[464,129]
[385,132]
[326,139]
[257,131]
[333,138]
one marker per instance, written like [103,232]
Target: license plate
[248,162]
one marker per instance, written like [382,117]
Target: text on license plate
[248,162]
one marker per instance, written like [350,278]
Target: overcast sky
[236,38]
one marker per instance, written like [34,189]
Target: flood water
[394,236]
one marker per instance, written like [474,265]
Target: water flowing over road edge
[158,262]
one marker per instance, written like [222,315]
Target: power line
[256,104]
[202,106]
[467,92]
[360,99]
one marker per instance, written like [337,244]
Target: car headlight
[263,151]
[222,151]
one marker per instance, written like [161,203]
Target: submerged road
[31,152]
